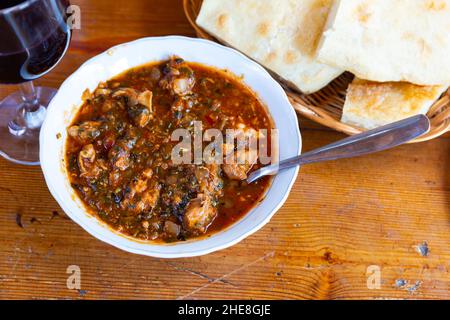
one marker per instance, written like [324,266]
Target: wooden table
[341,217]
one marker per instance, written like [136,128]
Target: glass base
[19,130]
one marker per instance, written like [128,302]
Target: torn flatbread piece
[390,40]
[282,35]
[372,104]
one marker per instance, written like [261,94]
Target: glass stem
[30,113]
[29,96]
[33,111]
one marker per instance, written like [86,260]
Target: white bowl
[122,57]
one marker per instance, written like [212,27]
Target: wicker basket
[325,106]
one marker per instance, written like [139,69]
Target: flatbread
[282,35]
[390,40]
[372,104]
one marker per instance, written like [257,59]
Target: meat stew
[119,151]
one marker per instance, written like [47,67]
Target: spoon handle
[371,141]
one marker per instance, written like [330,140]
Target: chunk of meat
[146,99]
[172,229]
[85,132]
[148,199]
[201,211]
[119,154]
[88,164]
[143,195]
[179,188]
[140,115]
[101,92]
[183,85]
[236,171]
[178,77]
[239,162]
[108,105]
[210,182]
[87,95]
[140,105]
[140,184]
[135,97]
[238,168]
[130,94]
[199,214]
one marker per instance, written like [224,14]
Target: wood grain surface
[341,217]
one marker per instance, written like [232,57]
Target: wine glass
[34,36]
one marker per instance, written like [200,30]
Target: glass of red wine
[34,36]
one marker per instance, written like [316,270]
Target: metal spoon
[371,141]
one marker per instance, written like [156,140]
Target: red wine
[29,51]
[33,62]
[9,3]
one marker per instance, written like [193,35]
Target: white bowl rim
[293,173]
